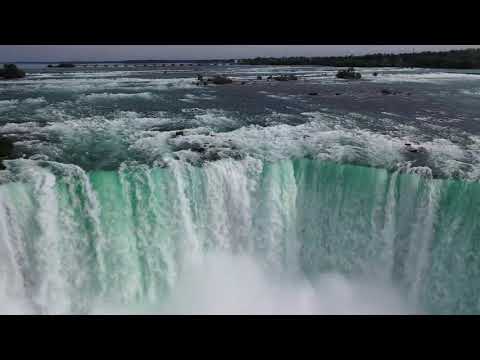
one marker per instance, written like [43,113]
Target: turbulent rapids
[204,209]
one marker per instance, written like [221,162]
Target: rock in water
[66,65]
[11,71]
[221,80]
[259,77]
[281,78]
[6,151]
[350,73]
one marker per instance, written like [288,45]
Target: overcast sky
[13,53]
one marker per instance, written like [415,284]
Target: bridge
[148,65]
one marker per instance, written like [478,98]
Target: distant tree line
[454,59]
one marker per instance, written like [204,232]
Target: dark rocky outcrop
[66,65]
[6,150]
[375,74]
[419,149]
[349,73]
[285,77]
[259,77]
[221,80]
[312,93]
[200,148]
[11,71]
[391,92]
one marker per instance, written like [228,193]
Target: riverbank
[454,59]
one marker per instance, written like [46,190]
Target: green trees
[454,59]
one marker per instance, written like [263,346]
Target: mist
[223,284]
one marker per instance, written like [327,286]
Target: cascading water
[71,240]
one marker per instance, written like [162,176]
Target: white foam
[79,85]
[19,128]
[8,102]
[425,77]
[117,96]
[212,118]
[34,101]
[7,105]
[473,92]
[192,98]
[283,97]
[329,137]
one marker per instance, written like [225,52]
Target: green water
[71,239]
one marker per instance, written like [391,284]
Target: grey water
[135,190]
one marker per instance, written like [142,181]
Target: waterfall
[73,241]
